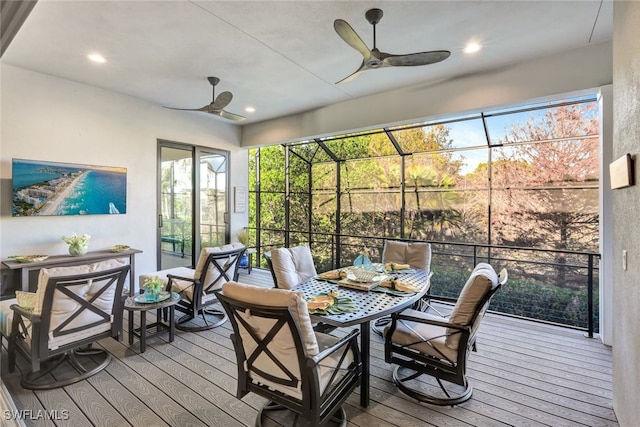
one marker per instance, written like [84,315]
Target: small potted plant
[152,288]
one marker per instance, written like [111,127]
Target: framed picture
[52,188]
[240,199]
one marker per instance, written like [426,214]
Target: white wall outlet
[624,260]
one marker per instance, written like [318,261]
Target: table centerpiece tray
[142,298]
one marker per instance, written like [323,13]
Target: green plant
[243,235]
[154,285]
[75,240]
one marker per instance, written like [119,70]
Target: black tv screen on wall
[43,188]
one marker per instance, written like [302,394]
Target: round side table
[142,306]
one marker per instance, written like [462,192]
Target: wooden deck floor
[524,374]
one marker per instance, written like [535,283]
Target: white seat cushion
[185,288]
[413,334]
[292,266]
[6,316]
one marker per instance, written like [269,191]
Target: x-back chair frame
[222,262]
[44,359]
[419,363]
[315,407]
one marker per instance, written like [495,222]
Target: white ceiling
[284,57]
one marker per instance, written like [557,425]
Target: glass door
[175,219]
[213,198]
[190,219]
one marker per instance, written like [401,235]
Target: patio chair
[72,308]
[430,343]
[216,266]
[304,373]
[267,257]
[291,266]
[415,254]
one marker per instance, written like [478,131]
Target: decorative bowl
[30,258]
[120,248]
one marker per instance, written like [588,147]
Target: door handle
[160,221]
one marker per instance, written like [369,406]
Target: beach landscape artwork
[48,188]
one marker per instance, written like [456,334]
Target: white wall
[577,70]
[626,221]
[46,118]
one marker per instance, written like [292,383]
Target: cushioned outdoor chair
[216,266]
[72,308]
[267,257]
[291,266]
[432,344]
[306,374]
[415,254]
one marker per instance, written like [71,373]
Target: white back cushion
[416,254]
[63,306]
[292,266]
[212,272]
[282,345]
[483,279]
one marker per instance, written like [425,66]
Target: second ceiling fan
[374,58]
[216,107]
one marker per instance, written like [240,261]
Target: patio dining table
[371,305]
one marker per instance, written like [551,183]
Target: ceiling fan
[217,104]
[373,58]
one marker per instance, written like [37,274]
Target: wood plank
[524,374]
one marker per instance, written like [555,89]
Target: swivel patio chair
[73,308]
[216,266]
[267,257]
[429,343]
[291,266]
[304,374]
[414,254]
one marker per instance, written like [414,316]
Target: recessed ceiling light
[472,47]
[250,109]
[96,57]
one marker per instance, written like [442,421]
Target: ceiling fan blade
[221,101]
[412,59]
[205,108]
[352,38]
[230,116]
[353,75]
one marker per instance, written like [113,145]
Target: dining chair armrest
[351,339]
[25,312]
[175,277]
[434,322]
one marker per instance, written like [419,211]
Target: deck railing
[546,285]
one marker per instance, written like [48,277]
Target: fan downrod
[373,16]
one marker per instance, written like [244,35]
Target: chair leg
[379,324]
[450,394]
[39,381]
[339,418]
[211,319]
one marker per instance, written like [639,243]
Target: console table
[68,260]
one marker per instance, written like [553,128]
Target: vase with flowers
[78,245]
[152,288]
[243,237]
